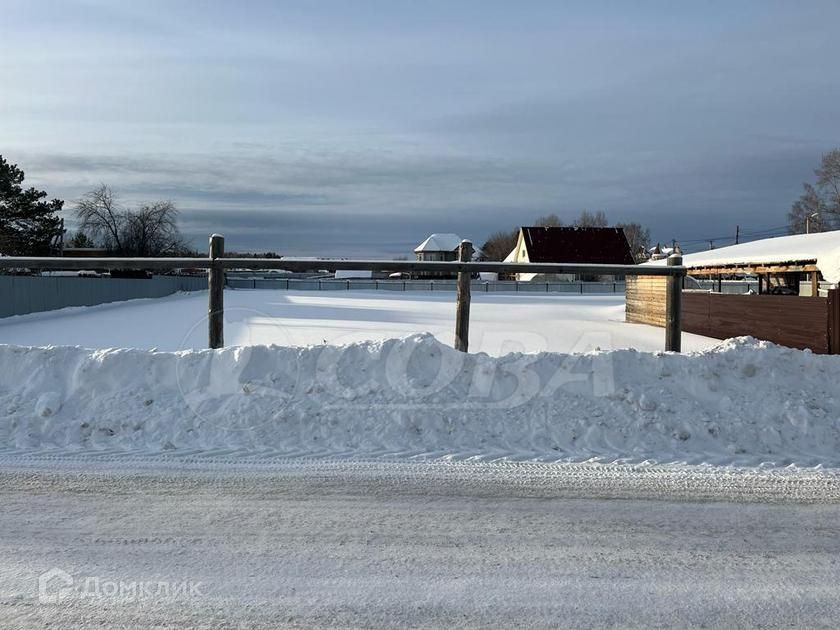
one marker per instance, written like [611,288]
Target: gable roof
[595,245]
[820,248]
[439,243]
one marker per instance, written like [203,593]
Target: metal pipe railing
[327,264]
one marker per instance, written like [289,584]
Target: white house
[438,247]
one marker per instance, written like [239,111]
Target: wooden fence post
[462,311]
[673,306]
[216,288]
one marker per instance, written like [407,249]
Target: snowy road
[347,544]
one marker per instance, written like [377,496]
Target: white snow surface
[499,322]
[824,247]
[743,402]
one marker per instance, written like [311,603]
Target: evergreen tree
[81,240]
[28,223]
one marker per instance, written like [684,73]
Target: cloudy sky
[358,127]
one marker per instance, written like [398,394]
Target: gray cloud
[351,205]
[359,130]
[372,205]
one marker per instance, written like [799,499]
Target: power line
[740,237]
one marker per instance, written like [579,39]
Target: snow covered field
[499,323]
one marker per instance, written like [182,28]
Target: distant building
[438,247]
[584,245]
[658,252]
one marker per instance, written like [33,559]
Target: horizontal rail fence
[216,264]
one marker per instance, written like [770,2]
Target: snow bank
[743,402]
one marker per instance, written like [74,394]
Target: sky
[357,128]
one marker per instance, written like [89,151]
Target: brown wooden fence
[789,320]
[797,322]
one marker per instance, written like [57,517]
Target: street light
[808,221]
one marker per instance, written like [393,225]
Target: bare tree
[549,220]
[638,237]
[499,245]
[150,230]
[828,179]
[818,208]
[592,219]
[808,213]
[100,216]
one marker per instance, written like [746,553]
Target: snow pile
[743,402]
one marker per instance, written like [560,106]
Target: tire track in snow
[483,478]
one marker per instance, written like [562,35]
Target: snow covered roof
[439,243]
[511,257]
[822,248]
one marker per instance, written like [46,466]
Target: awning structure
[800,253]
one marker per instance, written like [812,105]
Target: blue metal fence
[329,284]
[32,294]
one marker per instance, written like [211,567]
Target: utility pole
[808,218]
[737,233]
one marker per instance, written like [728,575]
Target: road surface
[343,544]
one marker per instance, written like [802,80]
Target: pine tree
[81,240]
[28,223]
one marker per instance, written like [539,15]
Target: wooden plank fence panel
[834,321]
[696,313]
[792,321]
[645,300]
